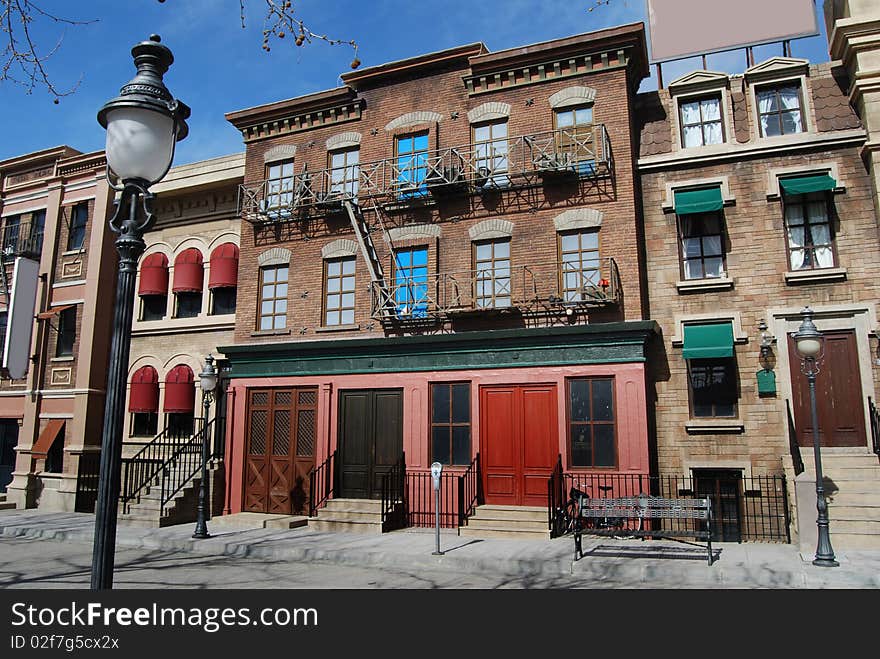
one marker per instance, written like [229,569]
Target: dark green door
[370,439]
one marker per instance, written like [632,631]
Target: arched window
[180,399]
[153,289]
[143,402]
[223,279]
[188,281]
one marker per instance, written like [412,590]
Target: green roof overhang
[807,184]
[707,200]
[709,341]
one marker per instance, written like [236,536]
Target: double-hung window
[492,274]
[451,423]
[490,151]
[780,110]
[574,138]
[591,422]
[66,332]
[411,281]
[701,123]
[273,297]
[344,173]
[809,231]
[279,185]
[579,252]
[712,372]
[79,217]
[702,245]
[412,165]
[340,287]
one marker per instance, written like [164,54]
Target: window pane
[282,274]
[266,323]
[461,403]
[281,306]
[564,119]
[440,445]
[348,267]
[502,249]
[584,116]
[333,301]
[461,445]
[348,300]
[580,400]
[581,448]
[333,285]
[603,407]
[348,317]
[269,275]
[281,290]
[280,322]
[603,440]
[266,308]
[440,403]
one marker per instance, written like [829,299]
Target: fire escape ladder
[368,250]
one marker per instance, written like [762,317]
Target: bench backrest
[645,507]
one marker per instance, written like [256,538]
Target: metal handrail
[793,446]
[555,497]
[183,465]
[875,427]
[322,484]
[474,167]
[22,239]
[393,498]
[470,490]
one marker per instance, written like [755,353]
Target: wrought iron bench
[634,514]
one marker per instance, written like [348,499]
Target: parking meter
[436,470]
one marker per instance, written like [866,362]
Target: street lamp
[208,382]
[809,343]
[143,124]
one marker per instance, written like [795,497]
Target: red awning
[144,396]
[180,389]
[224,266]
[47,438]
[188,271]
[54,311]
[154,275]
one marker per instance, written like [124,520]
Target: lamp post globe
[143,123]
[809,343]
[207,383]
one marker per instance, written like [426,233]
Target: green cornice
[520,348]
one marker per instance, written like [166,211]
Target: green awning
[706,200]
[708,341]
[807,184]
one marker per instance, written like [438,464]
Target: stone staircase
[490,521]
[852,487]
[4,504]
[349,516]
[147,511]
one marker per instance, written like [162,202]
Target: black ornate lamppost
[809,343]
[207,382]
[143,124]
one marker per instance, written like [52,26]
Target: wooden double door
[839,402]
[281,438]
[519,443]
[370,440]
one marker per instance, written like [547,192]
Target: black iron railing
[556,496]
[322,484]
[875,427]
[87,482]
[144,468]
[23,239]
[793,446]
[394,496]
[184,464]
[759,509]
[421,500]
[470,490]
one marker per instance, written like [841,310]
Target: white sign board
[684,28]
[17,347]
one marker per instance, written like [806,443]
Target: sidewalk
[607,562]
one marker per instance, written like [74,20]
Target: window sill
[337,328]
[272,332]
[701,285]
[72,252]
[711,426]
[817,276]
[63,358]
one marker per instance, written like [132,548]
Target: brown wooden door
[839,401]
[724,489]
[280,450]
[518,443]
[370,439]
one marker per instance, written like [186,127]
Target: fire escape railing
[473,168]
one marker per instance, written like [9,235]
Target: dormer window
[701,122]
[780,109]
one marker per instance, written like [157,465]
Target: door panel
[499,443]
[724,489]
[839,403]
[540,447]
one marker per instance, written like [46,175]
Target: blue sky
[221,67]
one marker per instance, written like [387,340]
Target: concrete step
[845,460]
[248,520]
[350,515]
[340,526]
[854,541]
[866,497]
[354,505]
[512,524]
[499,531]
[6,505]
[513,513]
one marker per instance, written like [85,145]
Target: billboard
[684,28]
[17,346]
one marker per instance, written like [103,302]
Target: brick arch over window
[415,232]
[575,95]
[578,218]
[337,248]
[489,111]
[489,229]
[413,119]
[280,152]
[274,256]
[344,140]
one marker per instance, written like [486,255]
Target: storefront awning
[707,200]
[708,341]
[807,184]
[47,438]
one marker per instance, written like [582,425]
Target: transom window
[574,139]
[702,245]
[339,299]
[579,256]
[451,423]
[492,276]
[273,297]
[701,122]
[490,151]
[279,184]
[713,387]
[411,281]
[412,164]
[809,232]
[779,110]
[344,173]
[591,422]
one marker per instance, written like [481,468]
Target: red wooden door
[518,443]
[839,402]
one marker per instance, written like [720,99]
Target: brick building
[441,258]
[756,204]
[54,209]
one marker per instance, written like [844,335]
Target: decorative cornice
[697,80]
[344,140]
[489,111]
[280,152]
[415,231]
[306,120]
[575,95]
[337,248]
[413,119]
[777,67]
[274,256]
[488,229]
[578,218]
